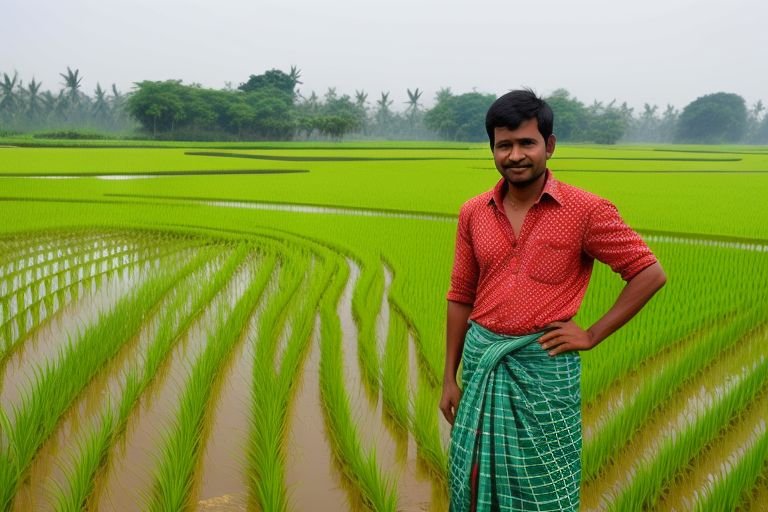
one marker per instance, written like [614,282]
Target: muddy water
[44,345]
[223,482]
[707,471]
[129,478]
[49,467]
[682,410]
[595,414]
[313,478]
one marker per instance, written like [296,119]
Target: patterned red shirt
[518,285]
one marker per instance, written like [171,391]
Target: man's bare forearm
[456,329]
[567,336]
[636,293]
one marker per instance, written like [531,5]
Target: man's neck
[527,193]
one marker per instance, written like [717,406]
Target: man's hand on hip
[566,337]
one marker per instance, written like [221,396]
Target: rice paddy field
[261,327]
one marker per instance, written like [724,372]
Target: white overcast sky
[655,51]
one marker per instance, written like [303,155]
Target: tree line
[270,106]
[27,108]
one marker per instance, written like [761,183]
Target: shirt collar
[551,188]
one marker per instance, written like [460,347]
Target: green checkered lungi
[516,440]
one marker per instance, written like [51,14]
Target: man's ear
[550,146]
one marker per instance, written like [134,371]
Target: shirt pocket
[552,262]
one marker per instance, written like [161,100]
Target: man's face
[521,154]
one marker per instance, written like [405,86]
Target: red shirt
[518,285]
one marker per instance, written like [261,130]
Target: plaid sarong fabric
[516,440]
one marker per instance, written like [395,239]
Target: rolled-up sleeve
[610,240]
[465,271]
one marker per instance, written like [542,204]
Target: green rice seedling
[56,387]
[613,435]
[375,491]
[271,391]
[672,316]
[366,304]
[734,491]
[103,438]
[175,477]
[426,430]
[395,372]
[14,341]
[92,455]
[677,451]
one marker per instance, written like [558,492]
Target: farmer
[524,255]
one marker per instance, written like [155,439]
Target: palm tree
[384,102]
[413,100]
[294,75]
[34,103]
[383,114]
[72,85]
[100,107]
[360,98]
[8,97]
[443,94]
[413,109]
[48,101]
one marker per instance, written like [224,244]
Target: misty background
[640,61]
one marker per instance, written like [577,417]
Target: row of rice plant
[366,305]
[376,491]
[59,282]
[181,452]
[192,295]
[614,433]
[713,474]
[56,387]
[679,449]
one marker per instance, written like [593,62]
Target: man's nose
[515,154]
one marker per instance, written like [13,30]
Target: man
[524,255]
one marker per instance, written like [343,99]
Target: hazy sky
[655,51]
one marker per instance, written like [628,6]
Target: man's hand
[449,403]
[566,337]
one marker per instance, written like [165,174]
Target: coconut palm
[34,105]
[100,107]
[72,82]
[384,102]
[360,98]
[295,74]
[413,100]
[8,97]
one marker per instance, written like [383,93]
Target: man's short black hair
[511,109]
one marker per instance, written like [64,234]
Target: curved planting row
[284,298]
[135,403]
